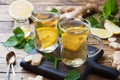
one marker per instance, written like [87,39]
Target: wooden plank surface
[6,26]
[60,2]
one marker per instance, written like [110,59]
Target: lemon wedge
[110,26]
[102,33]
[72,41]
[20,9]
[47,36]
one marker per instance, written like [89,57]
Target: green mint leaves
[72,75]
[18,32]
[94,22]
[110,8]
[55,60]
[29,46]
[15,39]
[54,10]
[19,41]
[109,11]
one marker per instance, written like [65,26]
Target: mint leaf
[101,16]
[72,75]
[19,41]
[49,57]
[55,60]
[110,8]
[18,32]
[29,46]
[54,10]
[94,22]
[20,44]
[12,41]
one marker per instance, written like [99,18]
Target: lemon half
[20,9]
[110,26]
[102,33]
[47,36]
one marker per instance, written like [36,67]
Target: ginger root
[35,59]
[112,39]
[75,12]
[115,45]
[116,60]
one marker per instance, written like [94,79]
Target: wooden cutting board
[91,66]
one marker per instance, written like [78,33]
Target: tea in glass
[74,42]
[46,35]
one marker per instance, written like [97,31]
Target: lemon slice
[20,9]
[73,41]
[102,33]
[110,26]
[48,36]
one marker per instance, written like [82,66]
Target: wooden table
[6,26]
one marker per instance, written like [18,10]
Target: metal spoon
[11,60]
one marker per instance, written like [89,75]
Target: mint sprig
[110,8]
[109,11]
[29,46]
[94,22]
[55,60]
[19,41]
[54,10]
[72,75]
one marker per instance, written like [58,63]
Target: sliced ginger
[116,60]
[35,59]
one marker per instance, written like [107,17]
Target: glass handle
[97,50]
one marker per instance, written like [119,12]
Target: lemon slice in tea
[72,41]
[48,36]
[102,33]
[20,9]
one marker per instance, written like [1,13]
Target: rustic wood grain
[60,2]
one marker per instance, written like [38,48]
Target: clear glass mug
[46,35]
[74,40]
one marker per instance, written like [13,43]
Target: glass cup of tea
[74,41]
[46,35]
